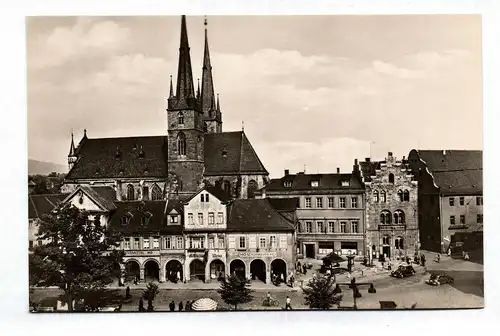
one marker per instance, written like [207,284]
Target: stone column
[162,273]
[141,274]
[268,273]
[207,272]
[247,270]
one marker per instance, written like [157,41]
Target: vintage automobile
[439,279]
[403,271]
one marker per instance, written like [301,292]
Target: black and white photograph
[225,163]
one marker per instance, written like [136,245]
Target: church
[184,202]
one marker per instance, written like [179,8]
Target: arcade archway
[151,271]
[173,271]
[278,268]
[132,271]
[258,270]
[217,270]
[197,270]
[237,267]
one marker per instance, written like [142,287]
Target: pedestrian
[288,304]
[304,269]
[466,256]
[172,305]
[179,276]
[438,257]
[181,306]
[298,264]
[135,280]
[292,280]
[188,306]
[422,258]
[449,252]
[127,293]
[141,305]
[282,277]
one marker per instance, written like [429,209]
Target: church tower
[212,116]
[72,158]
[185,127]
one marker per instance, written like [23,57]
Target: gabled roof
[303,181]
[455,171]
[230,153]
[219,193]
[39,205]
[255,215]
[103,196]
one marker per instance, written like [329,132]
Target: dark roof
[39,205]
[455,171]
[221,194]
[326,182]
[136,210]
[105,196]
[284,204]
[229,152]
[368,169]
[251,215]
[121,157]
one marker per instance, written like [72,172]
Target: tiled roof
[121,157]
[136,210]
[105,196]
[39,205]
[325,182]
[284,204]
[455,171]
[229,152]
[221,194]
[251,215]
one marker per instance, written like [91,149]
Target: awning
[333,257]
[205,304]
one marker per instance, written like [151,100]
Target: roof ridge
[244,136]
[34,207]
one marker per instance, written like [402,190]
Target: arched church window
[130,192]
[406,196]
[375,196]
[391,178]
[385,217]
[226,186]
[181,144]
[399,217]
[156,194]
[383,196]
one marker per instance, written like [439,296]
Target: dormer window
[288,184]
[124,220]
[314,183]
[345,183]
[174,219]
[141,153]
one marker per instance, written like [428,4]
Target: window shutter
[252,242]
[283,243]
[232,242]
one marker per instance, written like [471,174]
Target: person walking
[181,306]
[127,293]
[172,305]
[288,304]
[292,280]
[188,306]
[466,256]
[141,305]
[422,259]
[179,276]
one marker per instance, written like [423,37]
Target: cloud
[85,38]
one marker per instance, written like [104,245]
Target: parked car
[439,279]
[403,271]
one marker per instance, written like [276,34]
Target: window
[283,242]
[145,193]
[344,183]
[181,144]
[145,243]
[330,202]
[180,118]
[251,189]
[288,184]
[242,244]
[168,243]
[136,243]
[391,178]
[126,243]
[262,242]
[156,243]
[200,218]
[385,217]
[462,219]
[331,227]
[452,220]
[180,242]
[399,217]
[174,219]
[211,243]
[354,227]
[272,241]
[383,196]
[124,220]
[220,218]
[354,202]
[309,227]
[406,196]
[308,202]
[130,192]
[342,227]
[342,202]
[190,218]
[211,218]
[220,241]
[196,243]
[206,197]
[452,201]
[375,196]
[479,200]
[398,241]
[156,194]
[320,227]
[479,218]
[319,202]
[400,195]
[202,198]
[462,200]
[314,183]
[386,240]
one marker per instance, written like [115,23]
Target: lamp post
[355,291]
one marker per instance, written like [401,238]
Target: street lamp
[355,289]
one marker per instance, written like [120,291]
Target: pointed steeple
[207,86]
[198,91]
[185,87]
[218,105]
[171,88]
[72,146]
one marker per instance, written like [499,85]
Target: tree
[234,291]
[77,254]
[150,293]
[319,293]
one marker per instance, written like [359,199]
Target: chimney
[367,159]
[287,172]
[355,168]
[390,154]
[338,170]
[444,151]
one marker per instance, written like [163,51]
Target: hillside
[44,168]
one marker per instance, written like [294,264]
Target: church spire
[218,104]
[72,146]
[171,88]
[207,84]
[198,91]
[185,86]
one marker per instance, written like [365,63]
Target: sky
[314,92]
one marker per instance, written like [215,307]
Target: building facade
[450,197]
[391,208]
[330,211]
